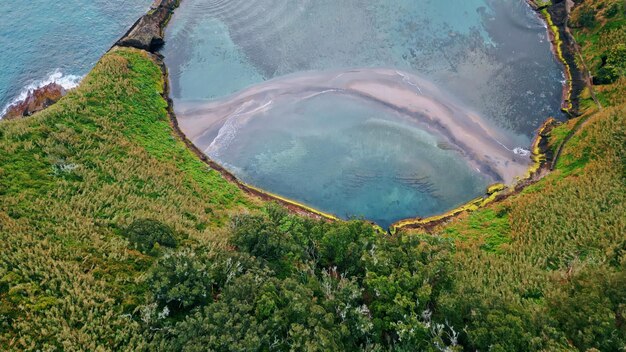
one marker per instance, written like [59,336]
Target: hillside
[115,236]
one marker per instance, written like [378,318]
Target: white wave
[521,151]
[408,81]
[228,131]
[66,81]
[517,150]
[319,93]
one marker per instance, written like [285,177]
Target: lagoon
[372,109]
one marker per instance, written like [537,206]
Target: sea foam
[66,81]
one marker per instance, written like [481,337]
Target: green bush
[612,10]
[181,280]
[262,237]
[586,17]
[613,65]
[616,57]
[589,308]
[605,75]
[144,234]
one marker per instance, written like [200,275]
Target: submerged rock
[147,32]
[36,100]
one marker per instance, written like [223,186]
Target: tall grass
[71,179]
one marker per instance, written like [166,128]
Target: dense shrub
[589,307]
[299,284]
[585,17]
[262,237]
[613,10]
[605,75]
[144,234]
[181,280]
[613,65]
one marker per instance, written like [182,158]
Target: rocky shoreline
[146,34]
[556,16]
[36,100]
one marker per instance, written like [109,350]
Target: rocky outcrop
[36,100]
[147,32]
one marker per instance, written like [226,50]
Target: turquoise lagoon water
[371,163]
[259,85]
[45,41]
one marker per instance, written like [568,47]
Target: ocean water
[58,41]
[382,109]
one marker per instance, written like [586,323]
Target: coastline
[555,15]
[147,34]
[292,205]
[542,161]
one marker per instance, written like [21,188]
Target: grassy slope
[76,174]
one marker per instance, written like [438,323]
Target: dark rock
[36,100]
[147,32]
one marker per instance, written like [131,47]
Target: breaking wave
[66,81]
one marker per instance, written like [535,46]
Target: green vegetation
[542,3]
[489,225]
[599,27]
[73,179]
[148,235]
[116,237]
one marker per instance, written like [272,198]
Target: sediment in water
[212,125]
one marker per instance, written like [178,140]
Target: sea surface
[57,41]
[375,109]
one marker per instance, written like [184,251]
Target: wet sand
[211,125]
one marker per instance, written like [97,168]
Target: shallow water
[434,97]
[58,41]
